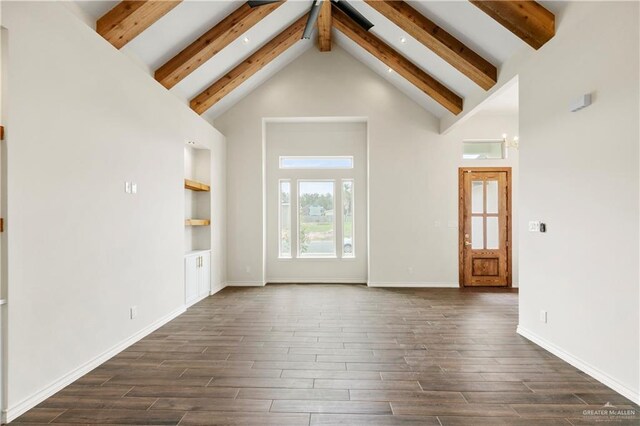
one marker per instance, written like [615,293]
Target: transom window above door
[316,162]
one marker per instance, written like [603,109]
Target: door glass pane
[285,218]
[477,232]
[493,233]
[477,196]
[347,218]
[316,219]
[492,197]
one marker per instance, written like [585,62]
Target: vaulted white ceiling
[169,35]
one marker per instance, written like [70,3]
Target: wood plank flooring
[338,355]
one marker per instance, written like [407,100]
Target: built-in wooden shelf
[196,186]
[197,222]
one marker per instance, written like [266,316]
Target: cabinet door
[191,271]
[205,275]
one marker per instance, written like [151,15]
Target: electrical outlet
[543,316]
[534,226]
[127,187]
[133,312]
[134,188]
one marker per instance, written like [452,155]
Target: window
[316,162]
[284,220]
[316,218]
[347,218]
[483,149]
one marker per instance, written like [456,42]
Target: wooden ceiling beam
[254,63]
[438,40]
[397,62]
[130,18]
[212,42]
[525,18]
[324,27]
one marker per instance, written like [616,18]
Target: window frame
[351,255]
[503,149]
[299,254]
[280,255]
[282,158]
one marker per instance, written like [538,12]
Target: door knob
[467,243]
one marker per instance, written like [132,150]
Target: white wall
[579,174]
[82,120]
[413,170]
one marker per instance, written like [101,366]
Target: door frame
[461,239]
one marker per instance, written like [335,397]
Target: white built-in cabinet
[197,221]
[197,275]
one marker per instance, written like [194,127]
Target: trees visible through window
[285,218]
[347,219]
[316,218]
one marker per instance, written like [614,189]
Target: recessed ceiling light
[389,70]
[403,40]
[245,40]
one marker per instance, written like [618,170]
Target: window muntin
[485,231]
[316,162]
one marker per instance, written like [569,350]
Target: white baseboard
[316,281]
[199,299]
[401,284]
[594,372]
[245,284]
[11,413]
[216,289]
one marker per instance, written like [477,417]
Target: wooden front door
[485,227]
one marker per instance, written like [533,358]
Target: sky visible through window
[316,162]
[316,187]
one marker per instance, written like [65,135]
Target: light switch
[543,316]
[127,187]
[534,226]
[134,188]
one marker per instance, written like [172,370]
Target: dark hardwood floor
[338,354]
